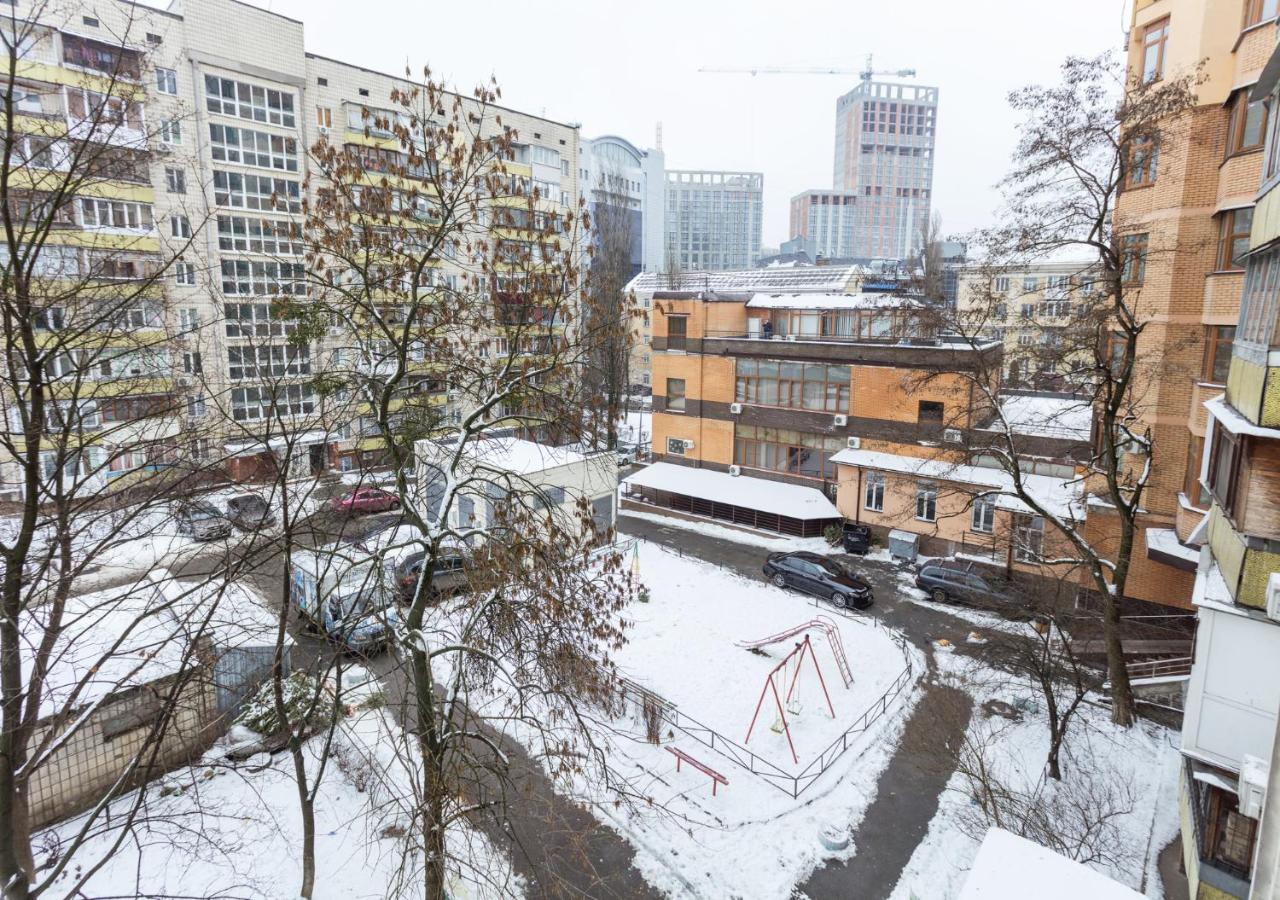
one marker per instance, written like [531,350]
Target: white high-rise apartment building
[617,173]
[884,155]
[235,101]
[714,220]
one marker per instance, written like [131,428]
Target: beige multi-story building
[1030,309]
[223,102]
[1187,211]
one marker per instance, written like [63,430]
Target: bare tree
[931,275]
[1081,139]
[448,286]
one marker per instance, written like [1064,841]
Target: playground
[761,666]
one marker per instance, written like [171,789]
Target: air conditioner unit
[323,129]
[840,420]
[735,408]
[162,148]
[688,444]
[952,435]
[854,443]
[1273,597]
[735,471]
[1253,785]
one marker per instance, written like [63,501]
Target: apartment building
[788,279]
[1230,789]
[776,399]
[884,156]
[1188,209]
[714,220]
[1031,309]
[826,220]
[615,173]
[226,102]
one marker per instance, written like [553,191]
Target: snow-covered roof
[1165,540]
[798,278]
[1056,417]
[1009,867]
[518,456]
[831,300]
[128,636]
[776,497]
[1236,423]
[1056,495]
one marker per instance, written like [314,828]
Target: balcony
[940,353]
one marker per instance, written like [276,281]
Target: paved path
[911,785]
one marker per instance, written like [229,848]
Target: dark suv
[448,575]
[249,511]
[961,581]
[819,576]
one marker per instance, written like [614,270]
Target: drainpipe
[857,500]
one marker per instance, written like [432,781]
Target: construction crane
[866,73]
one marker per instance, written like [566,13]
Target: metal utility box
[904,545]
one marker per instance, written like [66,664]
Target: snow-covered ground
[222,829]
[750,839]
[1144,757]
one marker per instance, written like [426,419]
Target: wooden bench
[682,757]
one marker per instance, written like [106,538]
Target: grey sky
[620,68]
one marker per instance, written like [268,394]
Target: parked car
[448,576]
[626,456]
[249,511]
[202,522]
[364,500]
[815,574]
[345,595]
[960,581]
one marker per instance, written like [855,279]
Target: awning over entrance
[252,448]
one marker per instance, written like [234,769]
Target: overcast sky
[620,68]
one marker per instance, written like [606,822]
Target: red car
[365,500]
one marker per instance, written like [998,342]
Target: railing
[791,784]
[1160,668]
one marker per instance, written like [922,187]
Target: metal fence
[790,783]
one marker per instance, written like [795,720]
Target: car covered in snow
[250,512]
[814,574]
[344,592]
[202,521]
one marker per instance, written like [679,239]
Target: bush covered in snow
[303,702]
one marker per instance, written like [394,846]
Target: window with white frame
[196,407]
[166,81]
[984,514]
[275,361]
[184,273]
[247,234]
[1029,283]
[263,277]
[175,180]
[124,214]
[189,319]
[927,501]
[253,403]
[250,147]
[1028,538]
[260,192]
[873,494]
[180,227]
[170,131]
[255,320]
[229,97]
[1000,284]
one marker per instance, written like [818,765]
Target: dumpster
[856,538]
[903,545]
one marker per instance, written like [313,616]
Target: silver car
[202,522]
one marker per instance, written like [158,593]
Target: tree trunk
[1117,671]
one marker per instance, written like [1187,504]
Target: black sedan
[817,575]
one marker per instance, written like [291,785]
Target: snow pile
[1009,867]
[225,829]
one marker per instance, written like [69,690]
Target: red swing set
[796,658]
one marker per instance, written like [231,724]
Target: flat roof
[791,500]
[832,300]
[1009,867]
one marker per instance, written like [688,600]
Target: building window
[1258,11]
[873,498]
[250,147]
[248,101]
[1133,253]
[175,180]
[180,227]
[191,363]
[984,514]
[1217,353]
[252,235]
[675,395]
[1143,160]
[1224,465]
[1028,538]
[1233,238]
[1001,284]
[794,385]
[170,131]
[675,446]
[927,501]
[260,192]
[324,116]
[1029,284]
[1155,39]
[184,273]
[1247,127]
[121,214]
[677,332]
[929,411]
[196,406]
[784,450]
[1193,489]
[166,81]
